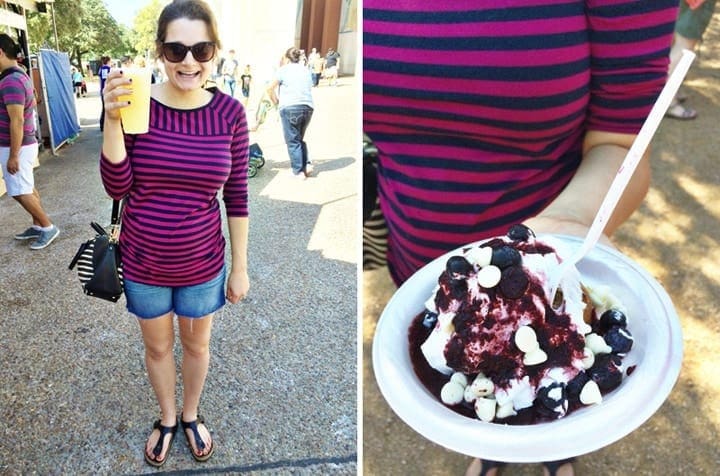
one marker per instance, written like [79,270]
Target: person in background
[103,71]
[245,81]
[77,81]
[316,63]
[230,69]
[140,62]
[19,146]
[126,62]
[291,90]
[484,117]
[332,66]
[172,233]
[693,19]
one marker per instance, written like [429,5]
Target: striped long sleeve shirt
[171,224]
[16,88]
[479,108]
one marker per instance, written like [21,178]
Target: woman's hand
[237,286]
[115,87]
[562,226]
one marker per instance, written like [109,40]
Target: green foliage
[145,26]
[85,29]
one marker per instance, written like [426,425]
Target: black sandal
[199,443]
[553,466]
[164,431]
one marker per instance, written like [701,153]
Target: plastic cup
[136,116]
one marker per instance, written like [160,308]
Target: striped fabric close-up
[176,171]
[479,108]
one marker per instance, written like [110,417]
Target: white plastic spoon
[628,166]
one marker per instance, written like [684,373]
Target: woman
[172,241]
[294,99]
[486,116]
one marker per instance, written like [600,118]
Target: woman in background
[291,90]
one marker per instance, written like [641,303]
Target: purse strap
[115,217]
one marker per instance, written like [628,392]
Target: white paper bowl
[657,354]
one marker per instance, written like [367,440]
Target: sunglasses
[176,52]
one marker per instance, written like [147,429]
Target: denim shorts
[147,302]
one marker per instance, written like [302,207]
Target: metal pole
[52,13]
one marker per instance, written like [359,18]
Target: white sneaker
[309,169]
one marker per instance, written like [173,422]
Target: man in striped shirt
[18,144]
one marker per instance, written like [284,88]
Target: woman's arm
[573,211]
[238,281]
[115,170]
[271,88]
[113,147]
[629,61]
[235,195]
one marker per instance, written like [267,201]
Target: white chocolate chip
[445,322]
[452,393]
[480,256]
[590,393]
[588,358]
[460,378]
[526,339]
[482,386]
[534,357]
[504,411]
[597,344]
[469,394]
[489,276]
[485,408]
[430,303]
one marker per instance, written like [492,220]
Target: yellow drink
[136,117]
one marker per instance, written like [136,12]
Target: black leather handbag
[99,263]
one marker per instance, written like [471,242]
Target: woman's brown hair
[190,9]
[293,54]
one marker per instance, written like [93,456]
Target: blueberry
[520,232]
[551,401]
[505,256]
[552,395]
[605,373]
[458,266]
[513,282]
[575,386]
[610,318]
[619,339]
[429,319]
[458,288]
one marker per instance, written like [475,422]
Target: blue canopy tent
[59,98]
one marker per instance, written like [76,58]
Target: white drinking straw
[629,164]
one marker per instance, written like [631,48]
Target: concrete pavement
[281,394]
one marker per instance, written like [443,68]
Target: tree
[145,26]
[84,27]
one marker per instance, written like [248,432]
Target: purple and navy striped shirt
[17,89]
[479,108]
[171,224]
